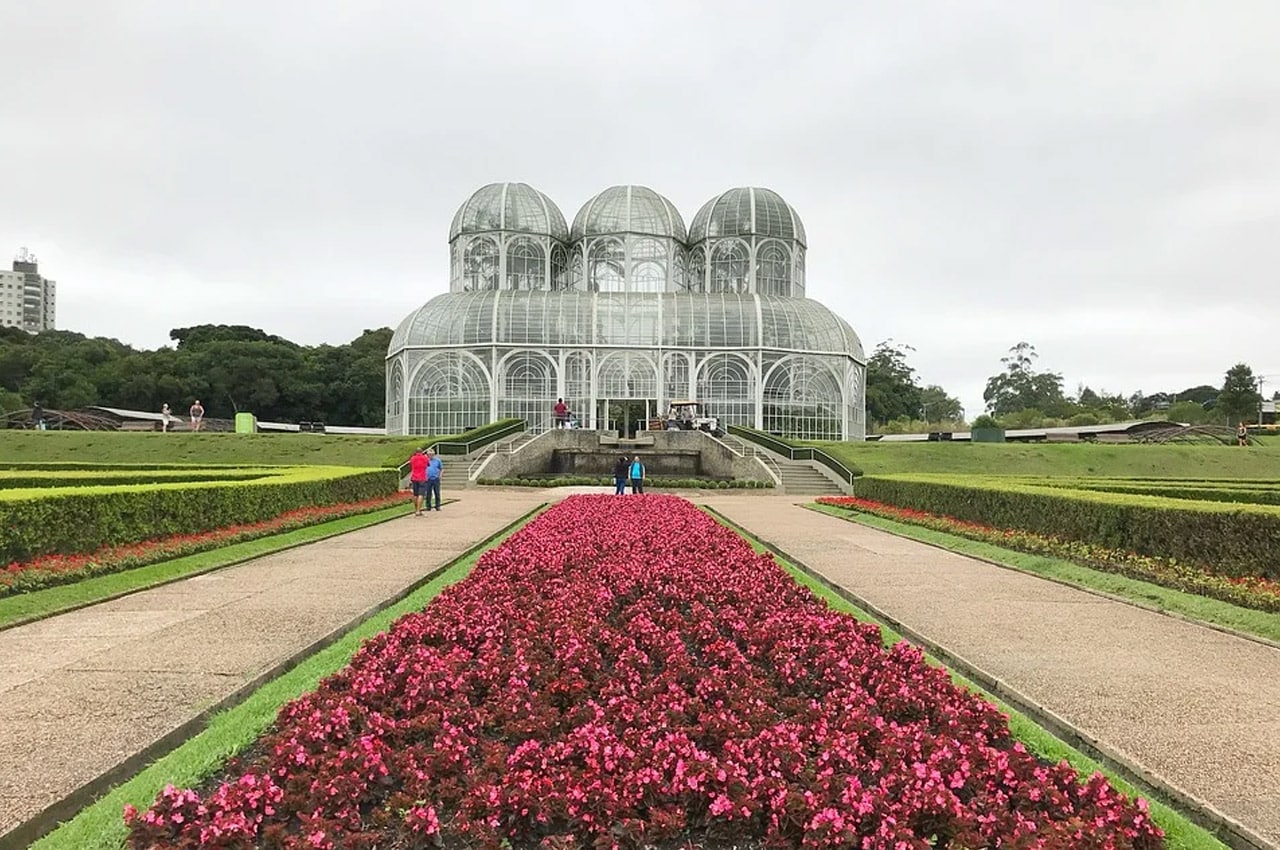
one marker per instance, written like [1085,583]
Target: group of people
[424,478]
[562,416]
[196,412]
[628,469]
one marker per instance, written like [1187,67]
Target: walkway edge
[1111,597]
[1230,831]
[41,824]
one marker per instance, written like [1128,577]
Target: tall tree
[1020,387]
[892,390]
[1239,398]
[937,406]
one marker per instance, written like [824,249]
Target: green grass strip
[100,826]
[21,608]
[1180,833]
[1142,593]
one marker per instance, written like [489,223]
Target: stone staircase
[798,477]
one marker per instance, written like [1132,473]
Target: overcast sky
[1099,179]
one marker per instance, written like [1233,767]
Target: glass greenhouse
[623,313]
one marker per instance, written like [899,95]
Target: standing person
[37,417]
[1242,435]
[620,467]
[197,415]
[637,476]
[418,479]
[560,412]
[165,416]
[433,478]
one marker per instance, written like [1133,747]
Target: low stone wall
[670,453]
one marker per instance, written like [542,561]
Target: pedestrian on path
[418,479]
[434,466]
[620,468]
[165,416]
[37,417]
[560,412]
[197,415]
[1242,435]
[637,476]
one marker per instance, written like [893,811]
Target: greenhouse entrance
[626,415]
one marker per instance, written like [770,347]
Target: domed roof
[509,206]
[628,209]
[747,211]
[679,320]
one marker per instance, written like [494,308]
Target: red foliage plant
[629,673]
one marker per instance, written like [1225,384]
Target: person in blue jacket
[637,475]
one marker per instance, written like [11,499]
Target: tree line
[229,368]
[1022,395]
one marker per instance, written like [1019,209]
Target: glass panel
[696,279]
[480,265]
[726,386]
[606,266]
[528,384]
[773,269]
[729,261]
[802,399]
[525,265]
[648,265]
[559,267]
[451,395]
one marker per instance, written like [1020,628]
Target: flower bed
[628,673]
[49,570]
[1248,591]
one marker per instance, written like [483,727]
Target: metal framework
[626,306]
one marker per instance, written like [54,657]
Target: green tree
[938,406]
[892,390]
[1019,387]
[1239,398]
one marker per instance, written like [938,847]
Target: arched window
[450,395]
[627,375]
[675,376]
[802,399]
[681,273]
[726,385]
[729,261]
[455,265]
[395,391]
[773,270]
[696,278]
[577,386]
[528,390]
[798,287]
[606,266]
[480,265]
[525,265]
[648,265]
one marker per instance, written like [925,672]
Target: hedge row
[82,519]
[1231,540]
[650,483]
[82,478]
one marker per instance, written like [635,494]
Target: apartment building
[27,300]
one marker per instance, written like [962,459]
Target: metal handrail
[471,445]
[781,447]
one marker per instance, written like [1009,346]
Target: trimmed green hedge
[1231,540]
[82,478]
[71,520]
[649,483]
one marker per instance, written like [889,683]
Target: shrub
[68,520]
[985,422]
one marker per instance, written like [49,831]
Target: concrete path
[1195,706]
[83,691]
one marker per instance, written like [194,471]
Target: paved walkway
[1195,706]
[83,691]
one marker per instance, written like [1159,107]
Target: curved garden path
[83,691]
[1196,707]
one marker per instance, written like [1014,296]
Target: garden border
[1223,827]
[34,618]
[52,816]
[1113,597]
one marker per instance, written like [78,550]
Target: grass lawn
[25,607]
[1180,833]
[1062,459]
[100,826]
[184,448]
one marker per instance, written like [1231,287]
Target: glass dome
[667,320]
[628,209]
[513,207]
[747,211]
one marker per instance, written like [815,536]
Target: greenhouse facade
[623,313]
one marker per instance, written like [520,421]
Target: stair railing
[791,452]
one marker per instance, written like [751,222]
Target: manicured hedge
[82,519]
[114,477]
[1232,540]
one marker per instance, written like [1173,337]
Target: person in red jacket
[560,412]
[418,479]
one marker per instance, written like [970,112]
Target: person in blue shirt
[637,475]
[433,479]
